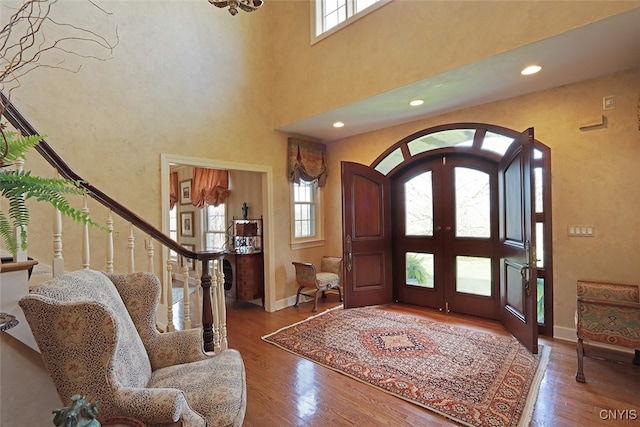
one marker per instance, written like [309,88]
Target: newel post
[207,311]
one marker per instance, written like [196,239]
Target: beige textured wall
[189,79]
[594,175]
[406,41]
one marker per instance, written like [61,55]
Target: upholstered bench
[607,313]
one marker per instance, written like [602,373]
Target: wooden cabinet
[246,261]
[249,276]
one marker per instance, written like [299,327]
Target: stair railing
[209,272]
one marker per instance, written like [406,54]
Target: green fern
[18,146]
[19,186]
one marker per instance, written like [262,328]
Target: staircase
[208,275]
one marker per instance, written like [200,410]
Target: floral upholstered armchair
[607,313]
[98,338]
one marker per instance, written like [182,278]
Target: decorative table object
[79,414]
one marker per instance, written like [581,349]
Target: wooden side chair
[328,278]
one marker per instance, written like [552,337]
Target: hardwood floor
[287,390]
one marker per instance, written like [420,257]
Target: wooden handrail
[6,267]
[18,121]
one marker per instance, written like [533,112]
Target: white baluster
[86,251]
[222,308]
[198,283]
[110,251]
[57,266]
[215,308]
[186,320]
[168,286]
[148,244]
[131,246]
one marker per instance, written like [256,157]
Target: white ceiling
[598,49]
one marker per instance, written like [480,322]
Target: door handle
[349,253]
[526,268]
[524,273]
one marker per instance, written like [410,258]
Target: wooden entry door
[517,236]
[366,224]
[445,235]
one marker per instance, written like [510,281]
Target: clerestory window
[330,15]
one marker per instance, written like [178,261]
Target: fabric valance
[306,160]
[210,187]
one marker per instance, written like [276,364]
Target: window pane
[496,143]
[473,275]
[473,203]
[539,244]
[540,289]
[418,192]
[537,154]
[304,195]
[538,190]
[446,138]
[391,161]
[419,269]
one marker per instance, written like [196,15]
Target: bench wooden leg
[580,374]
[636,359]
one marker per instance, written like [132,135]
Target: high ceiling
[598,49]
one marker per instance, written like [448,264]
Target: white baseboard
[569,334]
[289,301]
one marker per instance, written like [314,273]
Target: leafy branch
[25,43]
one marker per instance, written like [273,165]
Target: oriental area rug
[470,377]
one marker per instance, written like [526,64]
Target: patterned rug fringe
[299,323]
[527,412]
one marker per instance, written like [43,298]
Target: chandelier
[246,5]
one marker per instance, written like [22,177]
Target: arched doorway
[446,234]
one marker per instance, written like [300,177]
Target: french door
[445,233]
[455,229]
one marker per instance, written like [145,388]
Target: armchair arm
[155,405]
[175,348]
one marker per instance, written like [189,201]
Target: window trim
[316,16]
[310,241]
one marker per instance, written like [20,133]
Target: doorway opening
[264,190]
[446,200]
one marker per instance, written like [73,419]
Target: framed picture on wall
[185,192]
[186,224]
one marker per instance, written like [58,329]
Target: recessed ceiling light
[338,124]
[416,102]
[531,69]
